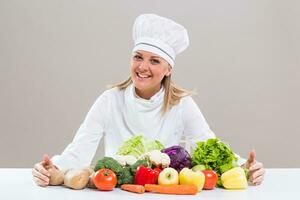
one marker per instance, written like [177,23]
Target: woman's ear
[169,71]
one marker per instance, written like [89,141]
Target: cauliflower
[125,160]
[157,158]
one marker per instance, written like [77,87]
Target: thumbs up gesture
[41,175]
[256,168]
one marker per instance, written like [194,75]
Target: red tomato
[105,179]
[211,179]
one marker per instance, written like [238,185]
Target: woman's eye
[137,57]
[154,61]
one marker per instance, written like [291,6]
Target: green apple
[188,176]
[198,168]
[168,176]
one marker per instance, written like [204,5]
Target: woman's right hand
[40,174]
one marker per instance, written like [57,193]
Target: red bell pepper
[157,169]
[145,175]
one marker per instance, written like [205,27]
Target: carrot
[133,188]
[172,189]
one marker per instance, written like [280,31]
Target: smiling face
[147,72]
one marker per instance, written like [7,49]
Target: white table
[18,184]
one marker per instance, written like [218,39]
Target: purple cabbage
[180,158]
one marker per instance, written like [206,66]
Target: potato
[77,178]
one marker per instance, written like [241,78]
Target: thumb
[46,160]
[251,157]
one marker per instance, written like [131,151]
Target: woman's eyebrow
[155,57]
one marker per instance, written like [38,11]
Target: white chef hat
[159,35]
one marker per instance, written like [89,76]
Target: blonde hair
[173,93]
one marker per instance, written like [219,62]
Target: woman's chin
[140,87]
[141,84]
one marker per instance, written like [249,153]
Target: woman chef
[147,103]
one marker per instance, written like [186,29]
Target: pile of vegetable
[142,165]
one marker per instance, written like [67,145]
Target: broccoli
[110,163]
[125,177]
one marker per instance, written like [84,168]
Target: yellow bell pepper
[234,178]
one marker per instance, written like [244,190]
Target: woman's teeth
[142,76]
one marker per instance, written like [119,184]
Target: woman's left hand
[256,169]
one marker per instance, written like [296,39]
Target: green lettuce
[138,145]
[216,155]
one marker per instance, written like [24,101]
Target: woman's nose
[143,66]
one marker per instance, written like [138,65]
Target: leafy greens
[138,145]
[216,155]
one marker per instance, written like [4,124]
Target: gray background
[56,58]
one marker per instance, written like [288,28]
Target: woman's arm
[80,152]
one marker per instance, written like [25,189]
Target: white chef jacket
[120,114]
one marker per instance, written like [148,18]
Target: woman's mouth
[143,76]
